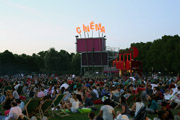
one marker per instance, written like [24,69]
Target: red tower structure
[126,61]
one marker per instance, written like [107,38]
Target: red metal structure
[126,61]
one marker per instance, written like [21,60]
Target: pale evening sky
[31,26]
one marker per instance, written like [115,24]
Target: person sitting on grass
[75,104]
[107,112]
[105,91]
[158,94]
[153,106]
[54,94]
[15,112]
[164,113]
[92,116]
[2,97]
[79,94]
[15,94]
[137,106]
[9,98]
[168,94]
[149,90]
[93,94]
[124,106]
[176,97]
[41,93]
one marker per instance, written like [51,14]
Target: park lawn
[76,116]
[84,116]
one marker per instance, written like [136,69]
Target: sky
[31,26]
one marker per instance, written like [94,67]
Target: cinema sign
[92,26]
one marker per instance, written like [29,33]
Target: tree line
[50,61]
[161,55]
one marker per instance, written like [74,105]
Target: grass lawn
[76,116]
[84,116]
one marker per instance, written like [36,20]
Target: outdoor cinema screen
[94,59]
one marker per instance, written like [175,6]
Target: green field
[84,116]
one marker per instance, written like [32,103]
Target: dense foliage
[50,61]
[161,55]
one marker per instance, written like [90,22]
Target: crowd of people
[131,96]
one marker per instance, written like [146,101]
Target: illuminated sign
[92,26]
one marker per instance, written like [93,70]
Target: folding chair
[45,107]
[178,105]
[173,98]
[56,102]
[23,117]
[31,107]
[141,115]
[116,101]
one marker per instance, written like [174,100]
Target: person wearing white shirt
[175,90]
[132,78]
[96,92]
[73,76]
[15,94]
[176,97]
[107,112]
[65,85]
[16,86]
[178,90]
[137,106]
[153,85]
[167,95]
[75,103]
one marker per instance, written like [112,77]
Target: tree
[76,63]
[50,60]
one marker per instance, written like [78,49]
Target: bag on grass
[84,110]
[122,117]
